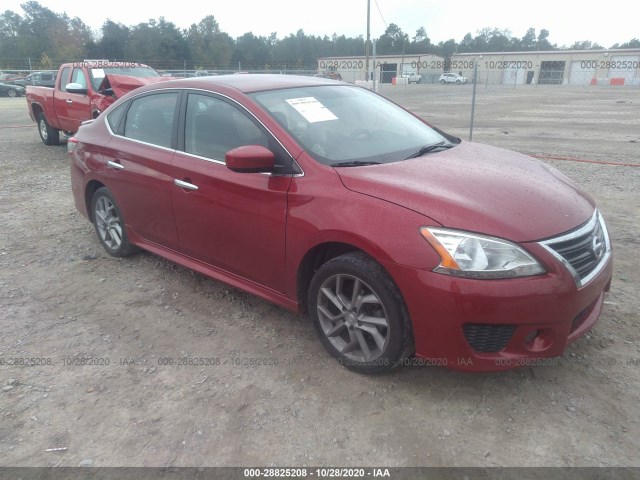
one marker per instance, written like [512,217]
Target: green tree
[585,45]
[39,26]
[112,45]
[251,51]
[420,43]
[543,42]
[12,43]
[529,40]
[157,42]
[393,40]
[633,43]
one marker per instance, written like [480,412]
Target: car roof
[251,82]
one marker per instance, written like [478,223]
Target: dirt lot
[63,298]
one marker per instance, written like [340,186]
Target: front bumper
[491,325]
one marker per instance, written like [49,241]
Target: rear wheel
[359,314]
[109,224]
[48,134]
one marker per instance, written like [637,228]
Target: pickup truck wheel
[48,134]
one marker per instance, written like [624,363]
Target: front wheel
[48,134]
[442,82]
[359,314]
[12,93]
[109,224]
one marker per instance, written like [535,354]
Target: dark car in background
[323,197]
[39,79]
[7,90]
[11,78]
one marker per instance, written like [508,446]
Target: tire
[109,224]
[442,82]
[12,93]
[367,330]
[48,134]
[458,82]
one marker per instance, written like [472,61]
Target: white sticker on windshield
[97,72]
[311,109]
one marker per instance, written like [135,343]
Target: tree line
[49,38]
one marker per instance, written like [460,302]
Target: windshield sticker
[97,72]
[311,109]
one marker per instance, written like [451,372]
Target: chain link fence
[577,115]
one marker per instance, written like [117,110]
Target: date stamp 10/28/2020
[257,361]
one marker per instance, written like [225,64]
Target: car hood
[479,188]
[123,84]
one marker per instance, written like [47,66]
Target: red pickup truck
[81,92]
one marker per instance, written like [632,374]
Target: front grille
[584,250]
[487,338]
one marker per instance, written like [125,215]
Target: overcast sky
[568,21]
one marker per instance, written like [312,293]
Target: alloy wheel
[108,223]
[353,318]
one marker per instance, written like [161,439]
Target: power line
[380,12]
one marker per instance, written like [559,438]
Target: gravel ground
[62,299]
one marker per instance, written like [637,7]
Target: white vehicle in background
[412,77]
[452,78]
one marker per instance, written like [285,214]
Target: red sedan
[397,239]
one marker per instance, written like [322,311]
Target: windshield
[343,124]
[98,74]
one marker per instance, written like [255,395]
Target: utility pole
[366,47]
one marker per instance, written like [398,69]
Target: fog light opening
[538,340]
[528,340]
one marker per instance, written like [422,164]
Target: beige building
[560,67]
[352,69]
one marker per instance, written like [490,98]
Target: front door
[232,221]
[72,108]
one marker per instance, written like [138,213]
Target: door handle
[185,185]
[69,100]
[116,165]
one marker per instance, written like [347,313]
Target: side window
[79,77]
[213,127]
[150,119]
[64,79]
[115,116]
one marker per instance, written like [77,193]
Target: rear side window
[150,119]
[114,117]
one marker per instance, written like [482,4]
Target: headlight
[477,256]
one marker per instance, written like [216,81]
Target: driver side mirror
[250,159]
[76,88]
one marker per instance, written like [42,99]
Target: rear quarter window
[114,117]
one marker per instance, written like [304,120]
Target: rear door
[138,164]
[232,221]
